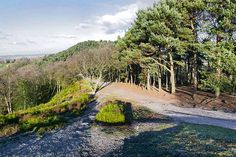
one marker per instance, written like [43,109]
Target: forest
[172,44]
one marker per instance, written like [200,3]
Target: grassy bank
[69,103]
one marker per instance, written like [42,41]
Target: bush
[35,123]
[111,114]
[8,119]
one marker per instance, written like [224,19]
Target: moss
[111,114]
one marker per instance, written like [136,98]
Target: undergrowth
[67,104]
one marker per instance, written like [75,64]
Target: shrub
[111,114]
[35,123]
[30,124]
[8,119]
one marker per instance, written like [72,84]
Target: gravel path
[167,107]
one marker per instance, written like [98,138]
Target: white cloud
[82,26]
[118,22]
[146,3]
[22,43]
[31,41]
[109,26]
[123,16]
[4,36]
[17,43]
[65,36]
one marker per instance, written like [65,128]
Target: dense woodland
[174,43]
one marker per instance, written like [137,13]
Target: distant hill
[13,57]
[76,49]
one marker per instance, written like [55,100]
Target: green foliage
[29,94]
[67,104]
[8,119]
[76,49]
[111,114]
[34,123]
[77,92]
[211,82]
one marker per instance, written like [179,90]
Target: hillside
[64,106]
[76,49]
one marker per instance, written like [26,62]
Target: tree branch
[162,65]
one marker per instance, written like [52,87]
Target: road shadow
[102,86]
[179,141]
[200,116]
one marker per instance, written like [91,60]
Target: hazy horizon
[31,27]
[26,54]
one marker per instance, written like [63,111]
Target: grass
[67,104]
[183,140]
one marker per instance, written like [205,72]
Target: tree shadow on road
[183,140]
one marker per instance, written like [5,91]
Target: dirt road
[165,104]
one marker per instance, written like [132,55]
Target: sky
[49,26]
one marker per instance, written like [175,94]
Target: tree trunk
[9,96]
[148,80]
[8,107]
[194,68]
[218,75]
[154,82]
[167,82]
[96,88]
[58,86]
[233,83]
[218,69]
[131,79]
[127,78]
[194,72]
[188,73]
[172,74]
[131,75]
[159,83]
